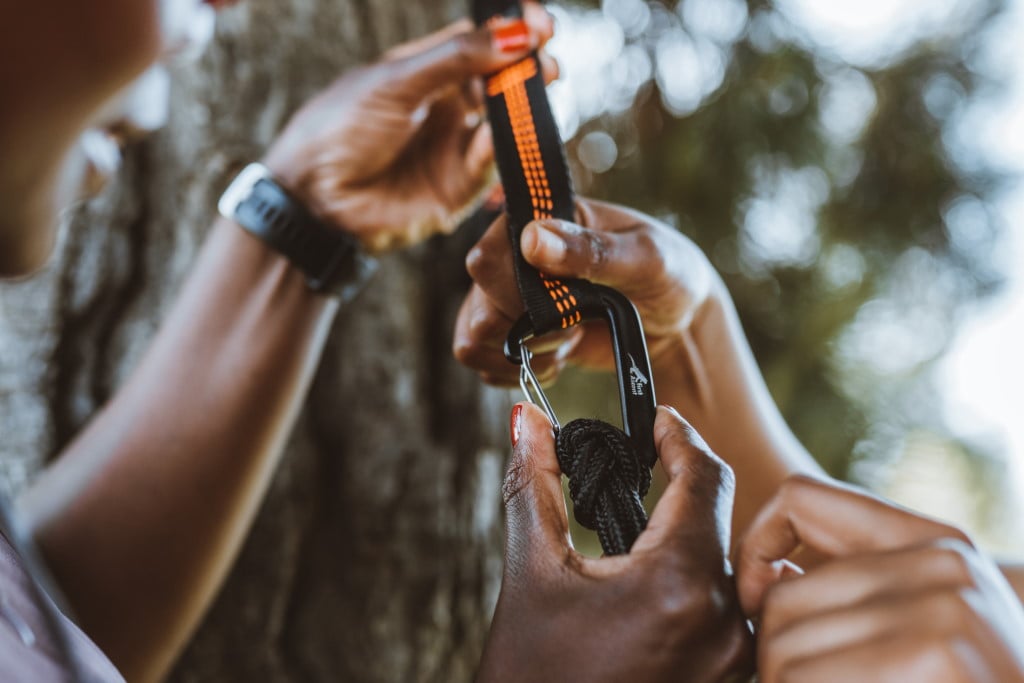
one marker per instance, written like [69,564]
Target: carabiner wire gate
[531,387]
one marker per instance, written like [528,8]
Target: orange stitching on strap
[511,84]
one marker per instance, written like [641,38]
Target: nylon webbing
[535,176]
[608,478]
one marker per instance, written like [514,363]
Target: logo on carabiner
[637,379]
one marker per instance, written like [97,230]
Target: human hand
[903,598]
[665,612]
[664,274]
[399,150]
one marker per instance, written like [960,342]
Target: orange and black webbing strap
[608,468]
[534,173]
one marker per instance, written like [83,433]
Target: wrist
[711,375]
[706,369]
[288,173]
[681,379]
[332,261]
[257,266]
[680,356]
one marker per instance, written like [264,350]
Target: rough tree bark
[377,555]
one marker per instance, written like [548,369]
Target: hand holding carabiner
[663,273]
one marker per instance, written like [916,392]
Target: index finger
[455,54]
[533,13]
[833,519]
[490,265]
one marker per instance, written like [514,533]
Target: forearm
[712,378]
[141,517]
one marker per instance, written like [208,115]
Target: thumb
[535,515]
[696,508]
[618,259]
[450,57]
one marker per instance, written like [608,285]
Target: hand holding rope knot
[666,612]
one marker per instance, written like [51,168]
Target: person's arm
[702,363]
[142,515]
[713,376]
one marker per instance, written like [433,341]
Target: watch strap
[332,261]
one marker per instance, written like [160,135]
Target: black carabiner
[632,366]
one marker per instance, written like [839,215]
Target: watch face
[241,189]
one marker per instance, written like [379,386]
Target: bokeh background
[852,169]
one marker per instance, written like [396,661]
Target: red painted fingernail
[515,425]
[496,199]
[512,37]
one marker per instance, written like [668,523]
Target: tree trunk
[377,554]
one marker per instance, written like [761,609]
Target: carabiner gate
[531,387]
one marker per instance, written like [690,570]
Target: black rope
[607,482]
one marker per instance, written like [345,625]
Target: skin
[900,598]
[701,362]
[437,164]
[702,365]
[59,63]
[665,612]
[141,517]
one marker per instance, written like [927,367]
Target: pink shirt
[38,644]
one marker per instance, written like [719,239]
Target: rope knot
[607,482]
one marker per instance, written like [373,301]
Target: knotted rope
[607,482]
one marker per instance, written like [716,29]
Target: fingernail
[789,570]
[549,245]
[541,22]
[512,37]
[496,198]
[515,425]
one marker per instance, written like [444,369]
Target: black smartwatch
[333,261]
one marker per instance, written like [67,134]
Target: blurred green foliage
[848,313]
